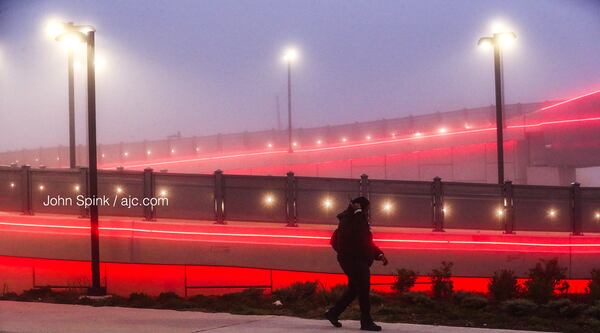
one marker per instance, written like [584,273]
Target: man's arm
[367,239]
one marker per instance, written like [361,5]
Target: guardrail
[435,205]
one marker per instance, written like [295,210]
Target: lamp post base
[100,291]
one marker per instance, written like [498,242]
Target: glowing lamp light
[76,187]
[467,126]
[368,137]
[387,207]
[269,200]
[344,139]
[269,145]
[57,158]
[102,155]
[172,151]
[163,193]
[506,38]
[442,130]
[197,148]
[37,159]
[125,154]
[295,144]
[552,213]
[119,190]
[290,55]
[327,203]
[54,28]
[500,212]
[597,215]
[485,43]
[417,134]
[12,185]
[445,210]
[148,152]
[41,187]
[319,142]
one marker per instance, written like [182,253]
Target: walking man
[356,252]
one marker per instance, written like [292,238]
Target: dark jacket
[353,238]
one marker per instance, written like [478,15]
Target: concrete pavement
[43,317]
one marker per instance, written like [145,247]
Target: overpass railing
[435,205]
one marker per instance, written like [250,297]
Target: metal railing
[434,205]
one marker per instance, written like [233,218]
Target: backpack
[334,240]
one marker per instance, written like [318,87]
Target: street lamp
[497,41]
[72,34]
[290,55]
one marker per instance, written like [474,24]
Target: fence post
[437,204]
[149,190]
[509,208]
[26,193]
[364,185]
[290,200]
[219,198]
[576,208]
[85,189]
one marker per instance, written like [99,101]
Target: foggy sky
[203,67]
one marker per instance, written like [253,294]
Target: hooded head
[362,202]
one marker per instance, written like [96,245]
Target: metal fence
[295,200]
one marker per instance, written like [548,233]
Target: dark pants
[359,284]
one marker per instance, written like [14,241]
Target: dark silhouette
[353,242]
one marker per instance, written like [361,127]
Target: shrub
[503,285]
[544,278]
[593,287]
[405,279]
[441,283]
[170,300]
[519,307]
[564,307]
[297,292]
[334,293]
[417,299]
[593,311]
[140,300]
[470,300]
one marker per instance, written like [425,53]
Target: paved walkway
[43,317]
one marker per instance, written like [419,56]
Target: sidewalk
[43,317]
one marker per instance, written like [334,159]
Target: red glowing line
[569,100]
[366,144]
[258,235]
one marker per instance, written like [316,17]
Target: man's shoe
[370,327]
[333,319]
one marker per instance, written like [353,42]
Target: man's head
[360,203]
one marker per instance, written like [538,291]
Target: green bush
[417,299]
[405,279]
[564,307]
[544,278]
[441,283]
[503,285]
[470,300]
[593,287]
[519,307]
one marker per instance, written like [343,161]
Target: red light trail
[555,244]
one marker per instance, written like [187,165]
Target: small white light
[368,137]
[172,150]
[319,142]
[102,155]
[197,148]
[269,145]
[552,212]
[76,188]
[41,187]
[163,193]
[119,190]
[500,212]
[442,130]
[417,134]
[467,126]
[387,207]
[125,154]
[393,135]
[327,203]
[295,144]
[37,159]
[344,139]
[12,185]
[57,158]
[597,215]
[269,199]
[148,152]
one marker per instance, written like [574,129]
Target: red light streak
[569,100]
[254,238]
[366,144]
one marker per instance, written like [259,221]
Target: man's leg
[350,293]
[363,286]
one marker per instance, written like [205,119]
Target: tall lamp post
[290,55]
[497,41]
[71,33]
